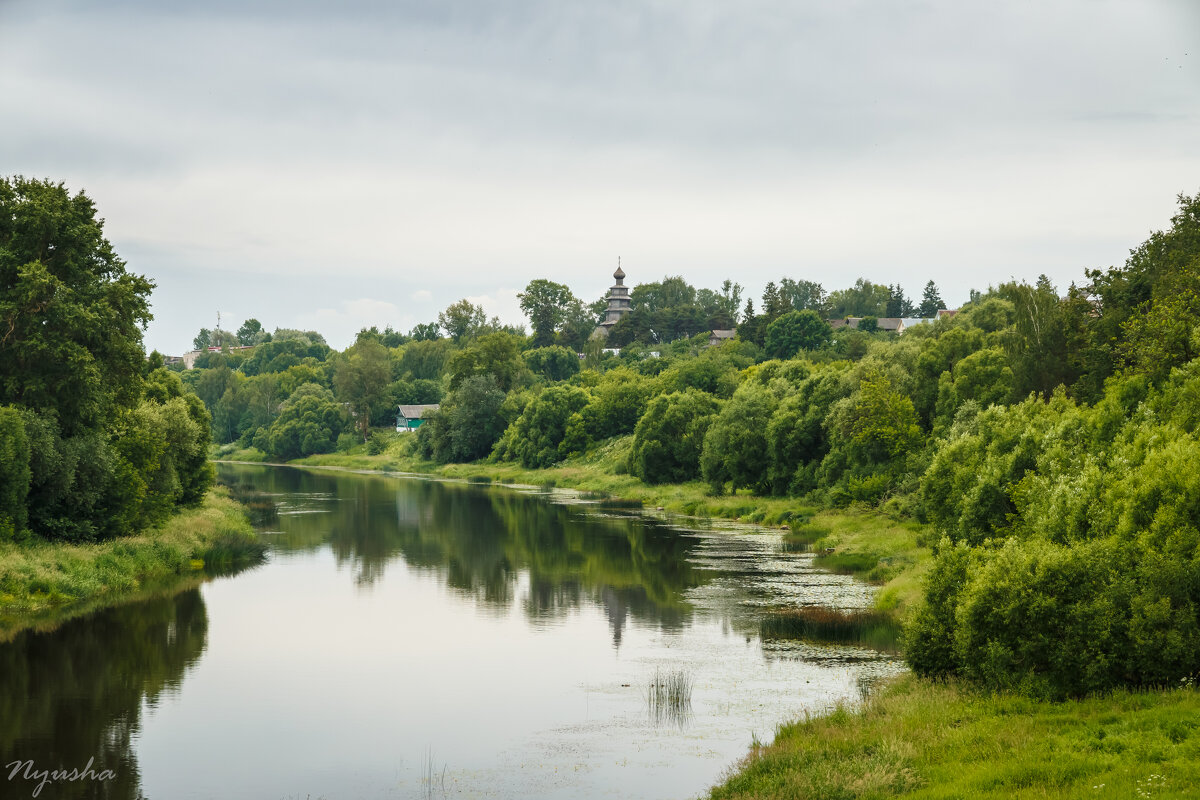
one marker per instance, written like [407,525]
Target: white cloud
[502,303]
[340,325]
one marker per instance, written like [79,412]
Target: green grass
[917,739]
[42,581]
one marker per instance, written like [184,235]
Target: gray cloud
[465,148]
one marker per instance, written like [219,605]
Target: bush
[735,447]
[536,438]
[309,423]
[467,424]
[669,437]
[555,363]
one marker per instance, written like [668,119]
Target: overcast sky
[340,165]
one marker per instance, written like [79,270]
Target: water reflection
[481,543]
[541,649]
[75,694]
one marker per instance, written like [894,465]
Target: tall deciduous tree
[863,299]
[462,320]
[547,304]
[803,294]
[796,331]
[252,332]
[361,378]
[71,316]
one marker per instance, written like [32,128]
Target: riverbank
[42,583]
[920,739]
[913,738]
[890,553]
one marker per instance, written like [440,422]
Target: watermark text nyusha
[27,771]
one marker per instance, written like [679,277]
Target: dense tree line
[96,440]
[1043,433]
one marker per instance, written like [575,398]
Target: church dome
[619,274]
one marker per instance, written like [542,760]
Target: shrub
[669,437]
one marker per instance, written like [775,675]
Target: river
[409,638]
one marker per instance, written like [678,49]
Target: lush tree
[536,438]
[547,305]
[870,434]
[577,326]
[1038,346]
[107,444]
[803,295]
[796,437]
[618,400]
[202,339]
[424,332]
[984,377]
[71,314]
[735,447]
[280,355]
[309,422]
[495,354]
[775,302]
[669,438]
[898,305]
[931,301]
[670,292]
[796,331]
[425,358]
[1106,330]
[552,363]
[252,332]
[292,334]
[462,320]
[361,377]
[863,299]
[721,307]
[468,423]
[14,474]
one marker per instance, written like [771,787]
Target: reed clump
[670,696]
[868,627]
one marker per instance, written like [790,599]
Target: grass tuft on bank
[40,579]
[918,739]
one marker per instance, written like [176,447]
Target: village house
[412,417]
[718,336]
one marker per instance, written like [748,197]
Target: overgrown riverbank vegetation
[923,739]
[100,446]
[44,582]
[1041,438]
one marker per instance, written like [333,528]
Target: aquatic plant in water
[670,696]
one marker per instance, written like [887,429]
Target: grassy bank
[42,582]
[917,739]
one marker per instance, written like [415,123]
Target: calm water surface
[410,638]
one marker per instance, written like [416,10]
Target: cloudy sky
[337,165]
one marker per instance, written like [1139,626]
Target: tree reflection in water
[481,542]
[75,694]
